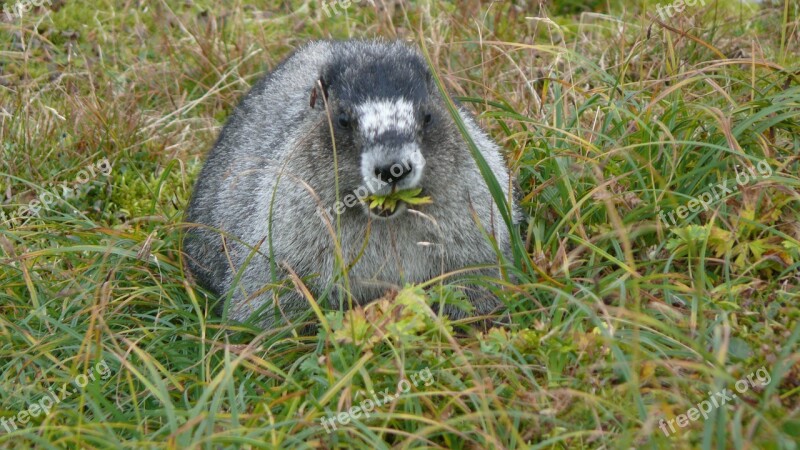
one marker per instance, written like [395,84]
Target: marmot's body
[271,175]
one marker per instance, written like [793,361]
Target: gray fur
[276,143]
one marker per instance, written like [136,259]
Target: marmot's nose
[394,173]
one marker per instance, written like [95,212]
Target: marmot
[269,185]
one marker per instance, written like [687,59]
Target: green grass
[617,318]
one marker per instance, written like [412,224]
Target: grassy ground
[620,318]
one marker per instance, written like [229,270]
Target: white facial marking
[378,116]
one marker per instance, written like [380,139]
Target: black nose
[394,172]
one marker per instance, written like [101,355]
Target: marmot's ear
[430,82]
[320,89]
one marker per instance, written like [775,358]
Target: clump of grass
[388,202]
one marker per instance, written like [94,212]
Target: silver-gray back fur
[274,159]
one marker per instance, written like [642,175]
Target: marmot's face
[385,111]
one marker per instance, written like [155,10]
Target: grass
[611,119]
[389,201]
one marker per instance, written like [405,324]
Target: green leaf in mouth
[389,201]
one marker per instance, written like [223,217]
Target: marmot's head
[387,117]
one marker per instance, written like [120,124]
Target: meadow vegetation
[610,117]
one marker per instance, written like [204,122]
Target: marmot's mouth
[393,203]
[380,212]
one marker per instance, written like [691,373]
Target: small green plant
[388,203]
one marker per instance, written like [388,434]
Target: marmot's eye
[428,119]
[343,121]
